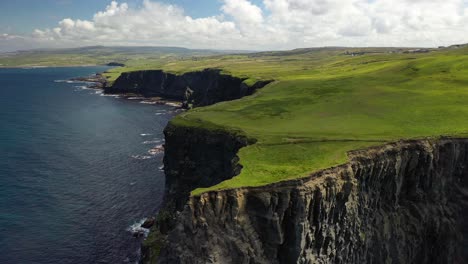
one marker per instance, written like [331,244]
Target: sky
[232,24]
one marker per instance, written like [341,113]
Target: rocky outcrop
[115,64]
[405,202]
[199,88]
[194,157]
[95,81]
[198,157]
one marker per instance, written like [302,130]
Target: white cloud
[243,11]
[276,24]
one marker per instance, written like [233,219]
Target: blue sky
[23,16]
[232,24]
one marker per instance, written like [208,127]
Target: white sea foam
[145,135]
[173,104]
[141,157]
[151,142]
[136,228]
[148,102]
[110,95]
[83,87]
[156,150]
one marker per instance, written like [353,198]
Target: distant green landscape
[97,55]
[323,103]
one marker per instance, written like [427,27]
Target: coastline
[68,164]
[184,227]
[99,82]
[51,66]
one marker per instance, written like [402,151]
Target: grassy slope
[325,104]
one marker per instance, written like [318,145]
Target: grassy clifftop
[325,103]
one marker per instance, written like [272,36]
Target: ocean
[75,172]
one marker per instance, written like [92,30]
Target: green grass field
[324,104]
[98,55]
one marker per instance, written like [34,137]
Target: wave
[151,141]
[173,104]
[137,230]
[156,150]
[141,157]
[110,95]
[145,135]
[82,87]
[148,102]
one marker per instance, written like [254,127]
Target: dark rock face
[97,81]
[405,202]
[194,88]
[148,223]
[194,157]
[197,157]
[115,64]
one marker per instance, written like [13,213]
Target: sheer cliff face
[198,158]
[401,203]
[194,88]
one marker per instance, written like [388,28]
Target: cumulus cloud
[275,24]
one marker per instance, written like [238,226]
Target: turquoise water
[75,173]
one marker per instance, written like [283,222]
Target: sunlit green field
[98,55]
[324,104]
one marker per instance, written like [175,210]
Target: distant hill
[97,55]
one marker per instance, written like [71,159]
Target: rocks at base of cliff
[148,223]
[97,81]
[405,202]
[193,88]
[194,157]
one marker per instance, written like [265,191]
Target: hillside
[95,55]
[326,102]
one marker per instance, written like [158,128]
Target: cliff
[404,202]
[198,157]
[199,88]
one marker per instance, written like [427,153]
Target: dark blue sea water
[73,173]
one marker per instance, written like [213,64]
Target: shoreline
[51,66]
[99,82]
